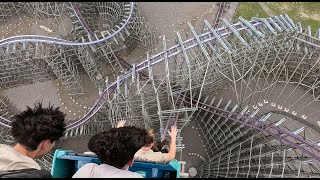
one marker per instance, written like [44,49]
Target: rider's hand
[173,133]
[121,123]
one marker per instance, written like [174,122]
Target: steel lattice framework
[72,42]
[262,62]
[252,87]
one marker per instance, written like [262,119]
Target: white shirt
[92,170]
[150,156]
[10,159]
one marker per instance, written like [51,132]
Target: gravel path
[27,95]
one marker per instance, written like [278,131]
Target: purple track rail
[106,93]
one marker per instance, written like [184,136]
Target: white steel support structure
[252,87]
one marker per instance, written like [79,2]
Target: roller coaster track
[116,36]
[220,12]
[81,20]
[52,40]
[173,51]
[261,126]
[259,29]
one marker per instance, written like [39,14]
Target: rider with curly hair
[35,132]
[115,150]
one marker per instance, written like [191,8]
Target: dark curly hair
[32,126]
[117,146]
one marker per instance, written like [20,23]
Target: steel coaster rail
[143,65]
[96,108]
[128,74]
[219,14]
[307,42]
[99,103]
[278,137]
[81,20]
[261,122]
[245,123]
[52,40]
[173,119]
[3,124]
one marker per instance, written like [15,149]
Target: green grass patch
[247,10]
[308,13]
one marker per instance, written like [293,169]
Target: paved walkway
[265,8]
